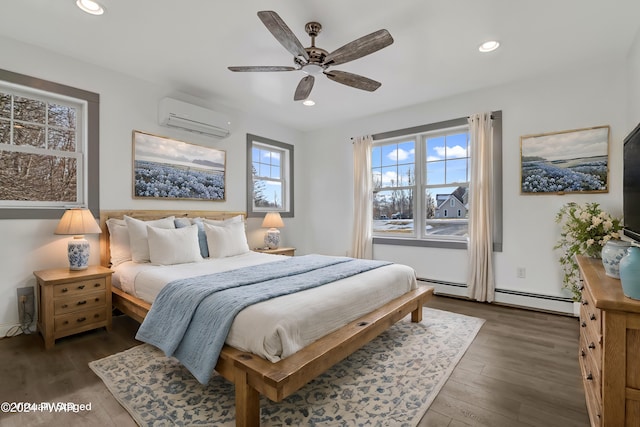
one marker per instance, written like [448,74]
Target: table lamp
[272,221]
[77,222]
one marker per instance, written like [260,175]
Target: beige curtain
[362,245]
[481,284]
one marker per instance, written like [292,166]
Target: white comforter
[277,328]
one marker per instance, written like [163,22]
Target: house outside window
[49,158]
[269,176]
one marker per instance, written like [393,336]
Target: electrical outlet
[26,307]
[521,272]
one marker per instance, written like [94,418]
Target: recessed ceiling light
[489,46]
[90,6]
[309,102]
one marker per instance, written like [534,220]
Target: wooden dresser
[70,302]
[609,350]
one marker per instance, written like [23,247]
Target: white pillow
[118,241]
[226,241]
[173,246]
[138,235]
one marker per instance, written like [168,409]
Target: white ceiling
[188,44]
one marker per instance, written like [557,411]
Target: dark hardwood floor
[521,370]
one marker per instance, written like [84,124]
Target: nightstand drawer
[78,303]
[79,319]
[79,287]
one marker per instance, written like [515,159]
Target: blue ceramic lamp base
[78,251]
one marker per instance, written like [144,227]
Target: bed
[255,375]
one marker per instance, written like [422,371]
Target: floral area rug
[389,382]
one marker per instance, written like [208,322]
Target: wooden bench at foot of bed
[253,375]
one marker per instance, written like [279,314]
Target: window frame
[89,166]
[286,175]
[416,239]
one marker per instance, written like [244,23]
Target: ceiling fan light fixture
[308,102]
[312,69]
[90,6]
[489,46]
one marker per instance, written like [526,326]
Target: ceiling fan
[314,60]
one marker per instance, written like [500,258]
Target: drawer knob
[589,376]
[81,319]
[581,287]
[585,302]
[592,317]
[82,302]
[66,322]
[64,306]
[96,285]
[96,315]
[81,287]
[583,353]
[592,346]
[583,324]
[64,290]
[97,299]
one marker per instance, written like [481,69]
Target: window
[421,185]
[442,181]
[48,148]
[269,176]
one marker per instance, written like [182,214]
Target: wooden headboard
[146,215]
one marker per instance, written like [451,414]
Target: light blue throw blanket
[190,318]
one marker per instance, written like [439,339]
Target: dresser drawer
[79,287]
[79,303]
[589,313]
[79,319]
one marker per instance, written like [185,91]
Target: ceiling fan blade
[353,80]
[304,88]
[359,48]
[262,68]
[282,33]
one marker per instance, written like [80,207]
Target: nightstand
[71,301]
[278,251]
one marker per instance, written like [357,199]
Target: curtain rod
[437,125]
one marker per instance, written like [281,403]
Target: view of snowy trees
[37,150]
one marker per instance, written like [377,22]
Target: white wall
[126,103]
[569,100]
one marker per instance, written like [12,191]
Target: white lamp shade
[272,220]
[77,222]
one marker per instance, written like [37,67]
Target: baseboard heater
[507,296]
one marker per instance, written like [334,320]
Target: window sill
[444,244]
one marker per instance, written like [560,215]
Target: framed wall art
[165,168]
[572,161]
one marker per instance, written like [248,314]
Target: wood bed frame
[253,375]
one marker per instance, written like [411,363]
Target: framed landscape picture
[570,161]
[165,168]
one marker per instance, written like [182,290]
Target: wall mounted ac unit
[178,114]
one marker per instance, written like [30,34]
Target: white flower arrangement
[585,230]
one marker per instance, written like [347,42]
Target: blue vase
[630,273]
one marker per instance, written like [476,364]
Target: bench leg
[247,401]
